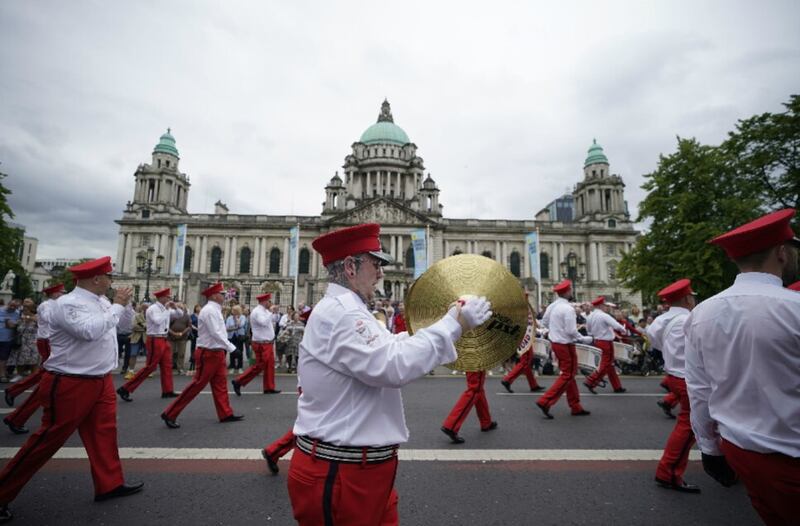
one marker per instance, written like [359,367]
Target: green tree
[10,236]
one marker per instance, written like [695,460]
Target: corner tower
[600,196]
[160,187]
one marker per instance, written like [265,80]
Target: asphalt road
[199,488]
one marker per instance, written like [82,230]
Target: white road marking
[585,395]
[6,410]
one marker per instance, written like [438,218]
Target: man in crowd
[350,414]
[743,369]
[180,325]
[601,326]
[76,390]
[263,340]
[9,318]
[210,359]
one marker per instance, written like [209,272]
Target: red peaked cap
[561,287]
[93,268]
[264,297]
[674,292]
[54,289]
[350,241]
[599,300]
[765,232]
[216,288]
[161,293]
[794,286]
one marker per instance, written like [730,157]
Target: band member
[475,395]
[16,420]
[159,350]
[794,286]
[743,369]
[655,333]
[523,366]
[274,451]
[601,326]
[560,319]
[350,415]
[262,344]
[76,390]
[669,473]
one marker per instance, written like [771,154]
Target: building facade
[383,180]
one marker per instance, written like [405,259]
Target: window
[514,263]
[167,164]
[611,249]
[544,265]
[612,223]
[244,260]
[151,191]
[145,213]
[410,257]
[274,261]
[216,260]
[487,254]
[187,259]
[303,261]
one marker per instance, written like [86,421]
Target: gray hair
[336,273]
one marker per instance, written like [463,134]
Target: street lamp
[144,263]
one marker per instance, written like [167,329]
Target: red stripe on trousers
[43,346]
[606,365]
[523,367]
[159,352]
[281,446]
[475,395]
[210,368]
[565,383]
[265,361]
[676,452]
[88,405]
[363,494]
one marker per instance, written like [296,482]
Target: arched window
[274,261]
[303,263]
[187,259]
[244,260]
[410,257]
[544,265]
[487,254]
[216,260]
[514,263]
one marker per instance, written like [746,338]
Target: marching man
[209,358]
[601,326]
[262,343]
[525,363]
[475,395]
[743,369]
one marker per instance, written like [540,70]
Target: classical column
[400,251]
[285,262]
[446,248]
[497,256]
[369,184]
[597,251]
[234,263]
[227,257]
[504,247]
[173,257]
[592,263]
[255,260]
[314,264]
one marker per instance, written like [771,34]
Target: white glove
[471,311]
[588,340]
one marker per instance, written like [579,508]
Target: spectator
[247,336]
[9,318]
[399,323]
[235,323]
[280,348]
[124,333]
[180,325]
[291,335]
[138,340]
[25,355]
[193,339]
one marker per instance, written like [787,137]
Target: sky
[265,99]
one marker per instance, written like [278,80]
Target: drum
[624,353]
[588,356]
[541,348]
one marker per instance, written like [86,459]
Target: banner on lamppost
[419,242]
[532,245]
[294,242]
[180,249]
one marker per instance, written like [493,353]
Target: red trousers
[265,361]
[670,398]
[676,452]
[473,396]
[88,405]
[524,366]
[568,366]
[326,492]
[606,366]
[43,346]
[772,481]
[21,414]
[159,352]
[281,446]
[209,368]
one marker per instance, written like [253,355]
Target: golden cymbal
[469,274]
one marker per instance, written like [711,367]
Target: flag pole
[297,266]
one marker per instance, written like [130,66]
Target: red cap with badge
[562,287]
[675,291]
[599,300]
[162,293]
[216,288]
[53,289]
[350,241]
[765,232]
[264,297]
[794,286]
[90,269]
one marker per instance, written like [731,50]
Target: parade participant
[263,341]
[655,333]
[210,357]
[601,326]
[475,395]
[794,286]
[560,320]
[669,473]
[350,417]
[280,448]
[76,390]
[159,350]
[523,366]
[742,359]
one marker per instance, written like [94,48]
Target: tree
[10,236]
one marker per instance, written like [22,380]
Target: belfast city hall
[582,235]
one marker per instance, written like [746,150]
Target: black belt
[349,454]
[82,376]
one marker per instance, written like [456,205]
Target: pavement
[571,470]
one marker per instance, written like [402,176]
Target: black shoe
[683,487]
[172,424]
[620,390]
[589,387]
[545,410]
[537,389]
[124,394]
[237,387]
[171,394]
[507,385]
[17,430]
[453,436]
[5,514]
[9,399]
[666,408]
[271,464]
[491,426]
[664,386]
[272,391]
[232,418]
[120,491]
[582,412]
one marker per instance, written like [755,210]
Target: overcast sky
[265,98]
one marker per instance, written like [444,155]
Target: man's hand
[123,295]
[718,469]
[471,312]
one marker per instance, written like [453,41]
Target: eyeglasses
[375,261]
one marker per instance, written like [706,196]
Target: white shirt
[743,367]
[261,324]
[601,325]
[125,325]
[655,331]
[83,335]
[673,340]
[351,369]
[43,319]
[561,320]
[157,316]
[211,331]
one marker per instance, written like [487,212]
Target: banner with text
[532,244]
[294,242]
[180,249]
[419,242]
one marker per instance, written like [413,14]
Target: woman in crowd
[26,356]
[138,341]
[291,335]
[193,339]
[236,324]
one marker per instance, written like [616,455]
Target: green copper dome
[595,155]
[385,131]
[166,144]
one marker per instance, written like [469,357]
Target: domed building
[582,235]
